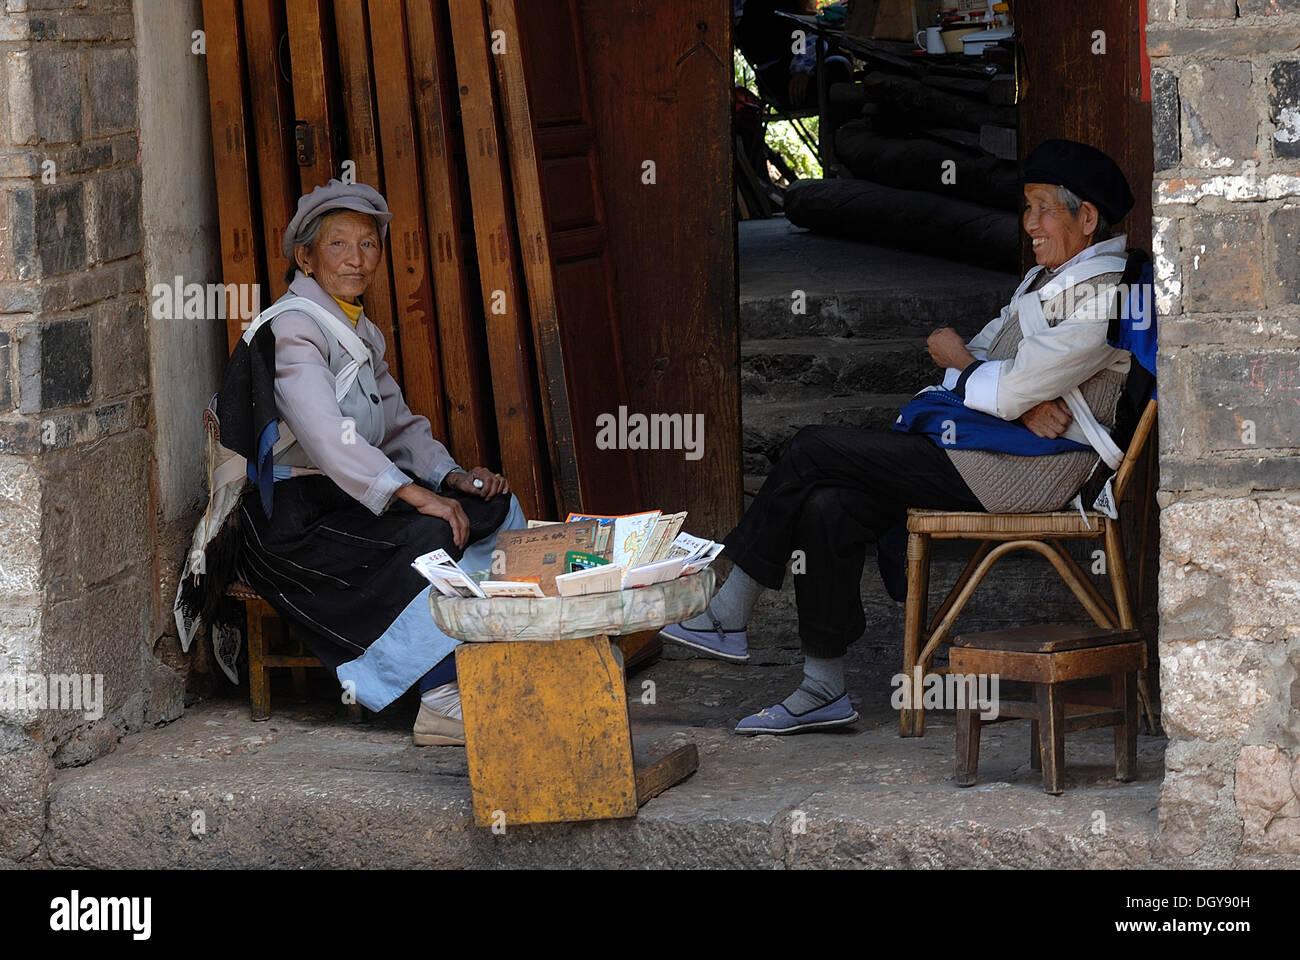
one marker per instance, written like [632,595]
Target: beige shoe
[433,729]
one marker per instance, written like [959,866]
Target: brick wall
[1226,116]
[76,524]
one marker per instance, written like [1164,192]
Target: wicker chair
[1041,532]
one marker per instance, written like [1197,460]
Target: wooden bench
[1049,657]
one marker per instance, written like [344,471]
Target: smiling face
[344,256]
[1058,235]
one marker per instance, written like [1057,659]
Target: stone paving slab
[309,789]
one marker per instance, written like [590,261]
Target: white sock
[444,700]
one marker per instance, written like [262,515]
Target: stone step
[833,366]
[877,314]
[768,425]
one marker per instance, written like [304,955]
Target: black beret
[1084,170]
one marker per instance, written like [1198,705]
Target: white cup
[933,40]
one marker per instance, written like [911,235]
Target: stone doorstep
[308,789]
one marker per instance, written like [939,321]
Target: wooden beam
[412,281]
[514,387]
[227,107]
[362,149]
[460,337]
[271,127]
[311,45]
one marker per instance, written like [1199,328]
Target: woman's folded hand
[1048,419]
[428,502]
[492,483]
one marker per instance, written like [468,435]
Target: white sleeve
[1048,364]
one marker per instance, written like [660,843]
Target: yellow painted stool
[547,732]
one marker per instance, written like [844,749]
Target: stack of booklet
[583,555]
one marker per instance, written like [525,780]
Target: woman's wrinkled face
[1057,234]
[345,256]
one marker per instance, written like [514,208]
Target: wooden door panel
[315,82]
[227,101]
[1096,98]
[460,335]
[571,303]
[672,242]
[272,113]
[412,280]
[514,382]
[362,148]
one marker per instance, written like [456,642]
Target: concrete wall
[1226,99]
[179,217]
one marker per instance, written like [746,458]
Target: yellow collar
[353,310]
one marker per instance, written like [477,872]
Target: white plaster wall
[181,237]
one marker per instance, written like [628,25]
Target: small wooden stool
[266,630]
[547,734]
[1048,657]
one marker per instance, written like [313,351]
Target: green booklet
[575,560]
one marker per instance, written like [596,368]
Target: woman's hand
[1048,419]
[948,349]
[430,504]
[493,483]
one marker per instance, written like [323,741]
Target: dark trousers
[835,490]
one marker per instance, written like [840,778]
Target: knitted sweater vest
[1009,483]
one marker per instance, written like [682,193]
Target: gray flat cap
[337,195]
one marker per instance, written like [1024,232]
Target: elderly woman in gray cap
[353,485]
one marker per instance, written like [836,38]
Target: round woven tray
[497,619]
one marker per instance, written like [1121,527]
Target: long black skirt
[325,562]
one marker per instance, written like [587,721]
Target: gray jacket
[370,443]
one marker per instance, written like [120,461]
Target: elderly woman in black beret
[350,485]
[1019,424]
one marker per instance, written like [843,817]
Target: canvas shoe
[439,721]
[779,721]
[732,645]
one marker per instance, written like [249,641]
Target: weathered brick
[1165,114]
[1236,475]
[112,90]
[1267,7]
[1203,9]
[56,95]
[58,431]
[1284,107]
[100,485]
[1206,44]
[6,390]
[18,256]
[120,348]
[1230,570]
[1225,270]
[117,212]
[54,365]
[1266,781]
[1257,397]
[61,229]
[1220,125]
[1283,244]
[25,778]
